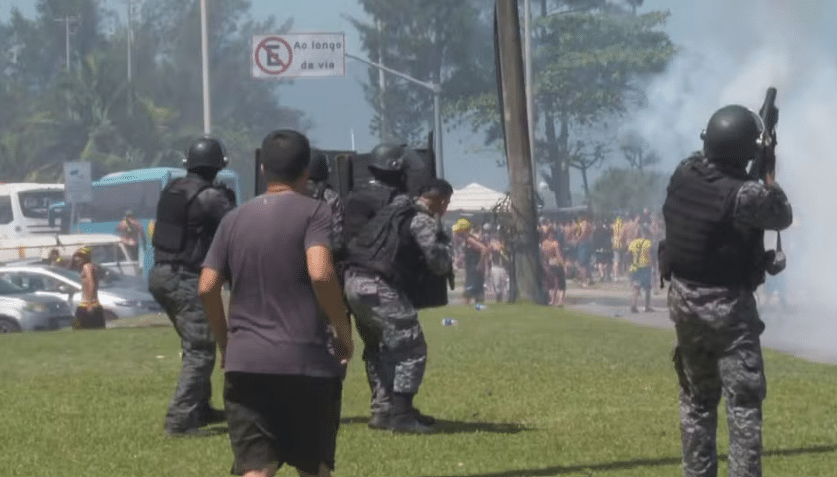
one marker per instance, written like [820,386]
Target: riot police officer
[715,217]
[319,188]
[388,171]
[385,265]
[188,214]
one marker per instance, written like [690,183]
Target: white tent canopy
[475,198]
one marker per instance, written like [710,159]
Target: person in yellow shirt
[618,246]
[640,250]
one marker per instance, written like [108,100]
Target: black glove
[774,262]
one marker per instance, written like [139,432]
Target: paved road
[806,332]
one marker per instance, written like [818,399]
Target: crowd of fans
[585,249]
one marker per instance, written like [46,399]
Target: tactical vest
[384,245]
[361,205]
[173,239]
[703,244]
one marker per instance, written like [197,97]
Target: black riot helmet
[206,152]
[388,165]
[318,166]
[732,135]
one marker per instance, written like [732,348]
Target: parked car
[121,296]
[22,311]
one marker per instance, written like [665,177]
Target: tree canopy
[94,113]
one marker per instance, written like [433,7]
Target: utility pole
[207,124]
[67,20]
[530,104]
[129,40]
[382,86]
[436,88]
[518,152]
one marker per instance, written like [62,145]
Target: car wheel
[110,316]
[9,325]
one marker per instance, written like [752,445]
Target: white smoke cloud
[750,46]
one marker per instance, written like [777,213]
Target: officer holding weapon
[188,215]
[715,217]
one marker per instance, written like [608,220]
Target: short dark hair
[285,155]
[438,187]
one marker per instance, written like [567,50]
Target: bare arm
[209,288]
[482,248]
[330,297]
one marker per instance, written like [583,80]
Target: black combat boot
[403,418]
[379,420]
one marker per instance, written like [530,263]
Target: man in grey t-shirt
[282,387]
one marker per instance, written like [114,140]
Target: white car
[21,311]
[120,296]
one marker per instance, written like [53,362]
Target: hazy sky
[338,108]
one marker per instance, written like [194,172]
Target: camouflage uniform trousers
[718,353]
[395,352]
[176,290]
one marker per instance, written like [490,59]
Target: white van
[24,208]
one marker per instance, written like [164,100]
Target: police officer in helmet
[715,217]
[318,188]
[385,264]
[389,173]
[188,214]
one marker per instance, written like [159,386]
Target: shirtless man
[554,265]
[89,314]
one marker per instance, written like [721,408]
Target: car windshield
[8,288]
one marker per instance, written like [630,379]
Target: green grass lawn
[520,391]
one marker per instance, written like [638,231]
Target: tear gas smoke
[749,46]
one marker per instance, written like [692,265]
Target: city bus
[135,190]
[24,208]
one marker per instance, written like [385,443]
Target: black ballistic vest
[174,240]
[362,205]
[703,244]
[386,247]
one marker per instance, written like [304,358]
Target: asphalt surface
[804,331]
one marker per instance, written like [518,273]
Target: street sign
[298,55]
[78,184]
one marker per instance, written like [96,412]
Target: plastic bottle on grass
[480,307]
[449,322]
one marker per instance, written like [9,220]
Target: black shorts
[89,318]
[282,419]
[559,278]
[604,256]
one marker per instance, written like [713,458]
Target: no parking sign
[298,55]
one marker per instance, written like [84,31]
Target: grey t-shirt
[274,326]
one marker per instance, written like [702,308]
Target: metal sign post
[78,187]
[437,112]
